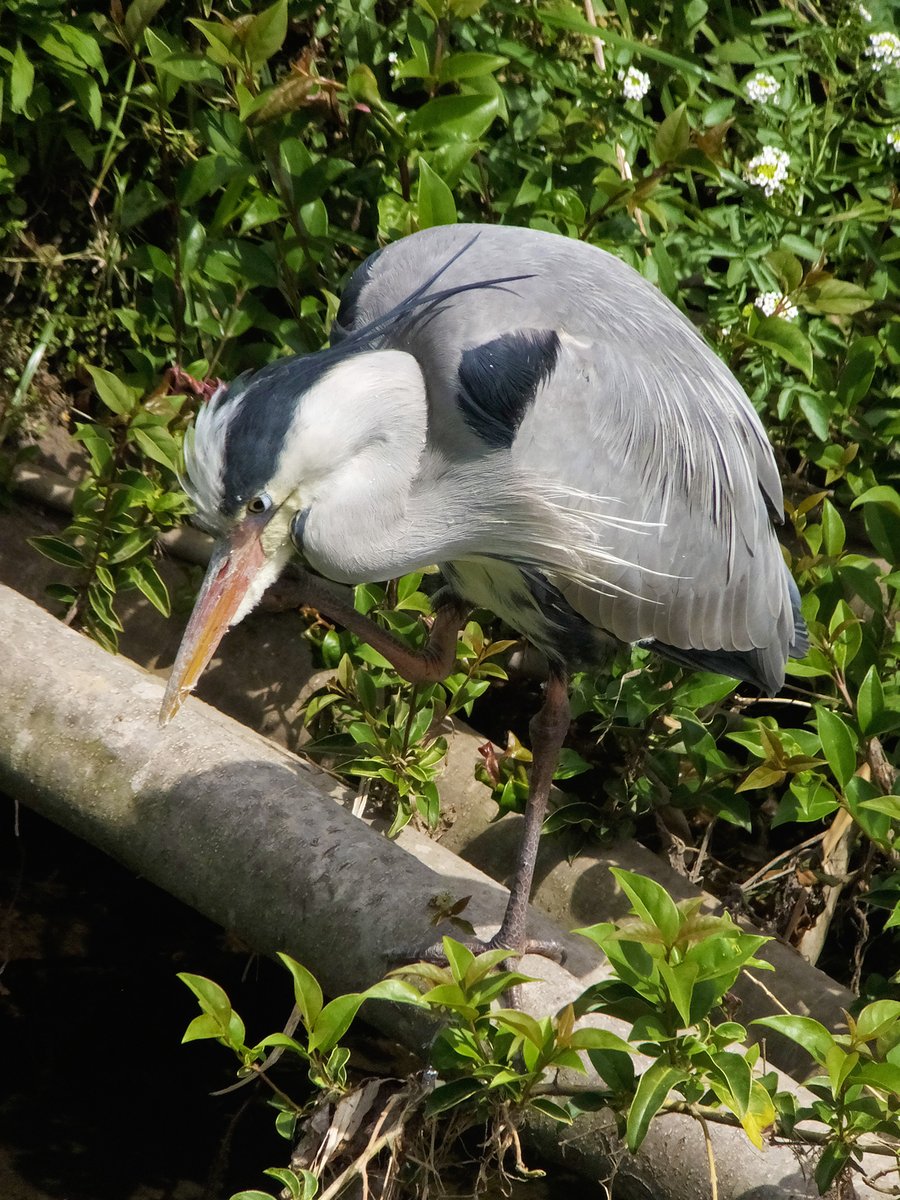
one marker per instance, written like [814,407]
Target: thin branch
[596,42]
[710,1158]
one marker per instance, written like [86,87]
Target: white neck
[380,503]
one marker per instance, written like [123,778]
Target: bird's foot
[520,947]
[512,996]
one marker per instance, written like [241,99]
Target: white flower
[863,13]
[768,170]
[635,83]
[893,139]
[776,304]
[762,86]
[884,50]
[392,56]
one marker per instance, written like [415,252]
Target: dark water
[98,1099]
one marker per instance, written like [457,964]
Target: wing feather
[640,430]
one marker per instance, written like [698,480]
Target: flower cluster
[893,139]
[776,304]
[635,83]
[768,170]
[762,87]
[884,50]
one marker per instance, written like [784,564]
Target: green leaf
[521,1023]
[787,267]
[189,68]
[146,579]
[735,1073]
[832,1161]
[836,296]
[869,699]
[465,8]
[300,1186]
[856,378]
[651,902]
[652,1089]
[816,407]
[673,136]
[889,805]
[57,550]
[883,528]
[449,1095]
[139,15]
[875,1020]
[116,395]
[265,33]
[459,957]
[833,531]
[202,1028]
[787,341]
[212,997]
[550,1109]
[701,688]
[21,82]
[805,1031]
[333,1021]
[838,744]
[615,1068]
[398,991]
[589,1038]
[882,494]
[455,118]
[679,979]
[435,203]
[157,443]
[469,65]
[307,993]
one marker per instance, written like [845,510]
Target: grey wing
[675,476]
[608,402]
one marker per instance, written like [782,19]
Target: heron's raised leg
[429,665]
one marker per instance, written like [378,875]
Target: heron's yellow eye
[259,504]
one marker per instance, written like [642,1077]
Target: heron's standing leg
[549,727]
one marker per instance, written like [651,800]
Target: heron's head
[265,455]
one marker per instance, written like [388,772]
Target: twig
[762,987]
[694,873]
[375,1145]
[710,1158]
[596,42]
[259,1069]
[759,877]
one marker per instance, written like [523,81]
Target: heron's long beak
[235,563]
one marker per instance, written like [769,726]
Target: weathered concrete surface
[255,839]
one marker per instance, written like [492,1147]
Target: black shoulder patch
[498,381]
[348,311]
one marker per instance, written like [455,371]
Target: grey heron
[529,413]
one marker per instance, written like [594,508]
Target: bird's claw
[545,949]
